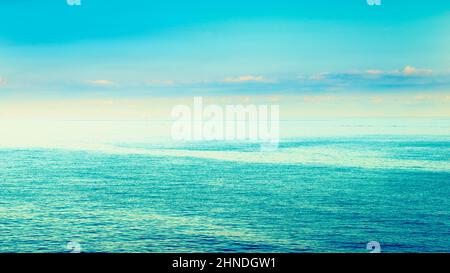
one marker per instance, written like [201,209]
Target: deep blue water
[318,195]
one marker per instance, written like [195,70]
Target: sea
[321,194]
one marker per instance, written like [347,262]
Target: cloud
[409,70]
[405,71]
[374,72]
[101,82]
[408,77]
[319,77]
[2,81]
[248,78]
[371,73]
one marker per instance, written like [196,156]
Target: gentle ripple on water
[118,202]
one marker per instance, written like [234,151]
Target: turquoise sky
[152,48]
[135,60]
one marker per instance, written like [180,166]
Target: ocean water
[310,195]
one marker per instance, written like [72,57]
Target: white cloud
[319,77]
[409,70]
[374,72]
[248,78]
[406,71]
[2,81]
[101,82]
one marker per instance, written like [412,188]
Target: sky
[49,48]
[104,59]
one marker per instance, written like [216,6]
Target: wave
[323,155]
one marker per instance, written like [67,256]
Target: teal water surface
[312,195]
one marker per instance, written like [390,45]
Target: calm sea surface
[311,195]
